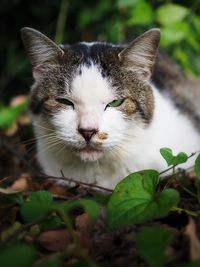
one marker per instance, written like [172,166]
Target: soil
[19,171]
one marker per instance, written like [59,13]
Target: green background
[117,21]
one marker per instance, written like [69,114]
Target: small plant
[136,199]
[171,159]
[151,243]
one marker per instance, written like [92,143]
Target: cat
[102,111]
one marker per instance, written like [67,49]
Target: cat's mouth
[90,149]
[90,153]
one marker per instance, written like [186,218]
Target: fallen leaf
[21,184]
[84,230]
[57,190]
[54,240]
[17,100]
[12,129]
[84,223]
[190,231]
[8,190]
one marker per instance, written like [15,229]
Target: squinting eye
[115,103]
[65,102]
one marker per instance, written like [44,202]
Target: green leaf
[171,13]
[167,155]
[9,114]
[127,3]
[167,199]
[50,223]
[41,196]
[38,205]
[174,33]
[142,14]
[151,244]
[171,159]
[90,206]
[197,167]
[20,255]
[135,200]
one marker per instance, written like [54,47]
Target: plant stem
[192,213]
[60,27]
[66,220]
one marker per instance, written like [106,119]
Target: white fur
[129,146]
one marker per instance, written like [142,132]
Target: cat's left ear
[42,51]
[140,55]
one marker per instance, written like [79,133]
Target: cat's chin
[90,156]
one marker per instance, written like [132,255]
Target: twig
[78,182]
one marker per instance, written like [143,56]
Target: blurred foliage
[115,21]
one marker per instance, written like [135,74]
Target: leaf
[38,205]
[20,255]
[90,206]
[135,199]
[41,196]
[171,13]
[142,14]
[55,240]
[167,155]
[174,33]
[173,160]
[197,167]
[50,223]
[9,114]
[127,3]
[167,199]
[151,244]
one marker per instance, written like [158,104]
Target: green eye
[115,103]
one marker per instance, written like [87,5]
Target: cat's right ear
[42,51]
[140,55]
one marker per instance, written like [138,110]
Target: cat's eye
[65,101]
[115,103]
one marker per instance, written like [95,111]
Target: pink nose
[87,133]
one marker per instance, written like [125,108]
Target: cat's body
[82,132]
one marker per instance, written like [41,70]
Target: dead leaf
[17,100]
[84,223]
[12,129]
[8,190]
[190,231]
[21,184]
[24,119]
[57,190]
[55,240]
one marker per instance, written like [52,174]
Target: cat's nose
[87,133]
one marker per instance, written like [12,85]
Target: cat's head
[90,96]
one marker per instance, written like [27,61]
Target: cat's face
[86,97]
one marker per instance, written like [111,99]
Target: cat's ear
[41,50]
[140,55]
